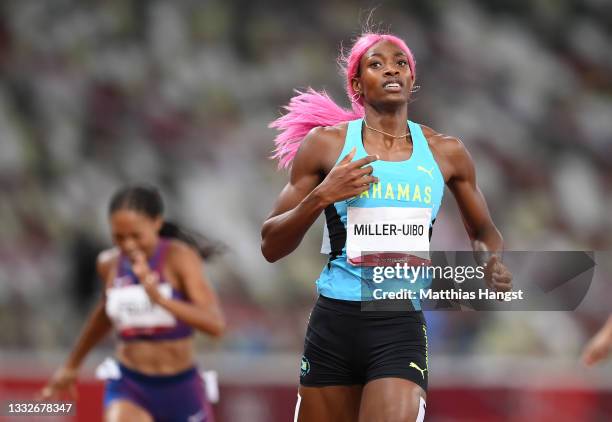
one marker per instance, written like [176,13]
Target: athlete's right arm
[96,327]
[309,191]
[600,346]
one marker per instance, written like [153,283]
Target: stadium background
[95,94]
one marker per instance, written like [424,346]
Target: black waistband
[372,308]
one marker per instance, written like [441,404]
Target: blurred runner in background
[155,295]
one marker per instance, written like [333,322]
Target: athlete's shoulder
[106,260]
[326,136]
[321,147]
[451,154]
[180,251]
[446,143]
[178,246]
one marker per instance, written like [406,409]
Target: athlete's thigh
[392,400]
[126,411]
[328,404]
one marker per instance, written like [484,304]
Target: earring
[355,97]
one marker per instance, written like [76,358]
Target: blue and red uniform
[176,397]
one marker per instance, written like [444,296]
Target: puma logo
[415,366]
[424,170]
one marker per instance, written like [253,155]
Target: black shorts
[347,346]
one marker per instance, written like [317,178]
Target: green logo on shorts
[304,367]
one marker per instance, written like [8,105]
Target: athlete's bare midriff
[165,357]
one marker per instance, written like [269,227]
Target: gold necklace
[383,132]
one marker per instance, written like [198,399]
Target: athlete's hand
[497,275]
[149,279]
[598,348]
[62,383]
[347,179]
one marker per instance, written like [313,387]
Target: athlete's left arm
[203,311]
[600,345]
[477,220]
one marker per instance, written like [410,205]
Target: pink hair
[311,109]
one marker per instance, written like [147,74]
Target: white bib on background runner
[381,230]
[130,307]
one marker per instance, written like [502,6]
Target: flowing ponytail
[306,111]
[204,246]
[311,108]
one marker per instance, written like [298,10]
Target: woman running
[155,294]
[362,167]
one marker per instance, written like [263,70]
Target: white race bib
[130,307]
[108,370]
[386,230]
